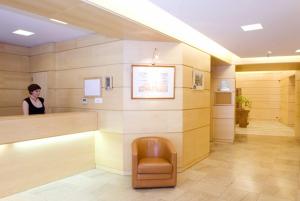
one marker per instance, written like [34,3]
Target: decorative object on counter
[224,86]
[92,87]
[242,110]
[198,80]
[153,82]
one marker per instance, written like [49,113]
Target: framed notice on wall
[92,87]
[152,82]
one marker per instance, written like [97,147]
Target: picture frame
[152,82]
[92,87]
[198,80]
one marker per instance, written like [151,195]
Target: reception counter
[23,128]
[35,150]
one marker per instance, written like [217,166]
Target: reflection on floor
[274,128]
[252,169]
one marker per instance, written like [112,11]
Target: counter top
[22,128]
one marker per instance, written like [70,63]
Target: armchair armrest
[172,155]
[134,149]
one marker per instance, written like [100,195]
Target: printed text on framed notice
[153,82]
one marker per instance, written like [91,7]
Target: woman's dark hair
[33,87]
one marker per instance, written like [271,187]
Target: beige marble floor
[263,127]
[251,169]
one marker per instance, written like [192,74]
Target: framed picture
[198,80]
[92,87]
[153,82]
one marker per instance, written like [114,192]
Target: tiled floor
[252,169]
[274,128]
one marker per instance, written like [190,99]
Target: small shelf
[223,98]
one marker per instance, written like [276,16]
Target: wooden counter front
[23,128]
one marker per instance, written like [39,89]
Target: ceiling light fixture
[23,32]
[252,27]
[58,21]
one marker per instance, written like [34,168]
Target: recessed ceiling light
[298,51]
[252,27]
[23,32]
[58,21]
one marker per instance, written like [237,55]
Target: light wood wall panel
[42,62]
[111,121]
[42,49]
[91,56]
[74,78]
[287,100]
[112,100]
[30,164]
[196,107]
[263,90]
[223,118]
[90,40]
[124,119]
[195,118]
[146,117]
[14,49]
[109,151]
[14,62]
[152,121]
[14,78]
[297,100]
[141,52]
[67,64]
[196,59]
[11,111]
[13,97]
[195,145]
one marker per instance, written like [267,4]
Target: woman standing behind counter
[33,104]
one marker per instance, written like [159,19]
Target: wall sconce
[155,56]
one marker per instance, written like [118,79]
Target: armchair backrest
[152,147]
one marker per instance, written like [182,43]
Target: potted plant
[242,111]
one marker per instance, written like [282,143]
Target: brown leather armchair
[154,163]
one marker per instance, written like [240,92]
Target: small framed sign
[92,87]
[153,82]
[198,80]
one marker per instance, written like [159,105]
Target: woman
[33,104]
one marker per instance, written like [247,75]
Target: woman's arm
[25,108]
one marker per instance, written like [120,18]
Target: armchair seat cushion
[154,166]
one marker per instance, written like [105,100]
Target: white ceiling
[45,30]
[220,20]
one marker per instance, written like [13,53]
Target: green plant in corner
[243,105]
[243,102]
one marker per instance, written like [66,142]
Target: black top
[33,109]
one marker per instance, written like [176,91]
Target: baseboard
[112,170]
[223,140]
[182,169]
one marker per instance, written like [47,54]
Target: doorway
[271,95]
